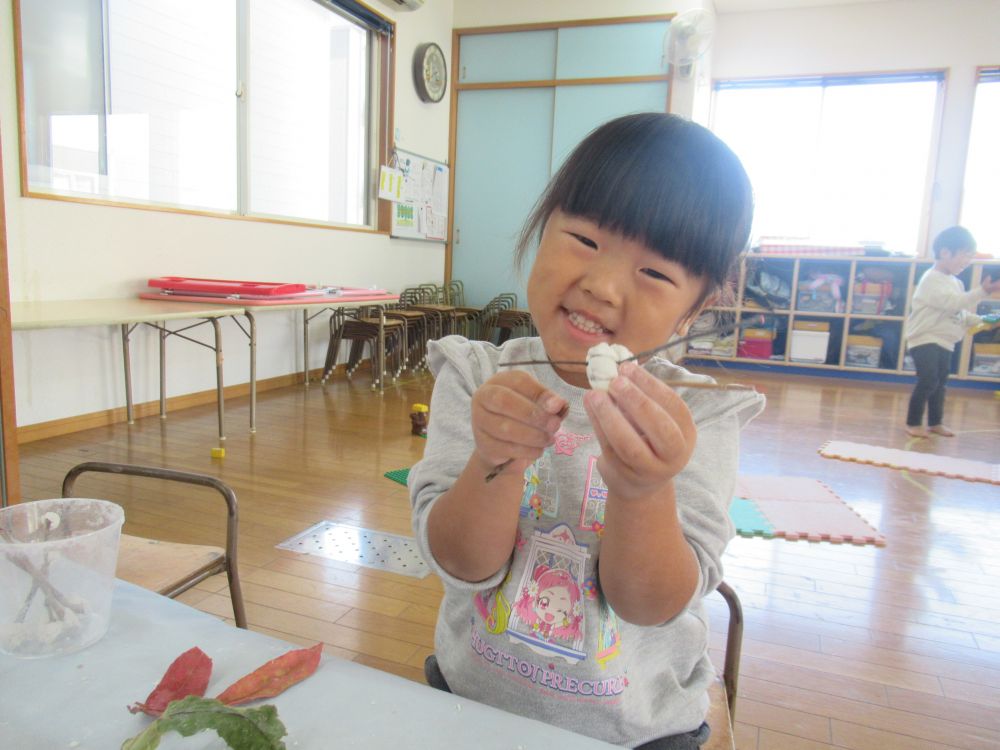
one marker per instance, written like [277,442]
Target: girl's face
[590,285]
[955,261]
[553,605]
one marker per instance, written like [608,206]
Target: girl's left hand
[646,432]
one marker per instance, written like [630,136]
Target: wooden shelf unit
[856,316]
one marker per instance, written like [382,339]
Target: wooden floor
[848,647]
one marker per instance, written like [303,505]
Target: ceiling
[742,6]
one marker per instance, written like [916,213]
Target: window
[835,159]
[981,196]
[155,103]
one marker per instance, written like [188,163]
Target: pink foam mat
[922,463]
[756,487]
[805,508]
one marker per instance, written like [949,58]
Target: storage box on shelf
[863,351]
[785,300]
[756,343]
[986,360]
[810,341]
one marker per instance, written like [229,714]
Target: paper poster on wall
[390,184]
[421,209]
[436,225]
[404,216]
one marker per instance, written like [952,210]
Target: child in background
[578,601]
[940,314]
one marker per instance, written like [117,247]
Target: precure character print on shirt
[538,637]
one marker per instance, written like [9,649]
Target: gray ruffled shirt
[537,638]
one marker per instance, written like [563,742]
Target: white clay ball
[602,364]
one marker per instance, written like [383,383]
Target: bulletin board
[421,213]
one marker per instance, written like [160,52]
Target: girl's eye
[654,274]
[585,240]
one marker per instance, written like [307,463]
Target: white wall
[872,37]
[685,96]
[470,13]
[62,250]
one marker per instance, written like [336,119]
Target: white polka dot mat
[351,544]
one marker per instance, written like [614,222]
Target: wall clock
[430,72]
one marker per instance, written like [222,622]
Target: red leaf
[274,677]
[188,675]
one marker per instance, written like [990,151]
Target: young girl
[639,229]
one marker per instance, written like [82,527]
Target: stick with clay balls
[602,364]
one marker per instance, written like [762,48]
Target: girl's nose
[605,278]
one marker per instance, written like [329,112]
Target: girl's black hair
[659,179]
[954,239]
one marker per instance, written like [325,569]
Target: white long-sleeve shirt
[538,638]
[941,310]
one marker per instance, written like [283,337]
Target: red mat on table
[243,302]
[805,508]
[922,463]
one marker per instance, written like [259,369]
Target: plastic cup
[57,573]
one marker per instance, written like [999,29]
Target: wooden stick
[712,386]
[694,384]
[720,330]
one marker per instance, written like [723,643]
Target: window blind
[988,75]
[362,14]
[831,80]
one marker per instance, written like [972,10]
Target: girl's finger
[518,395]
[665,397]
[650,420]
[618,432]
[514,407]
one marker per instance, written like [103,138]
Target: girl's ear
[685,324]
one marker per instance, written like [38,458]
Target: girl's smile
[589,285]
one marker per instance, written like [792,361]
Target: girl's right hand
[514,417]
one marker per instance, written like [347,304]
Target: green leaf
[241,728]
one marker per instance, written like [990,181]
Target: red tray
[189,285]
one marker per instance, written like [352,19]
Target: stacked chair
[367,326]
[423,313]
[466,319]
[501,319]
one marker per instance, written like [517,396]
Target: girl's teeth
[585,324]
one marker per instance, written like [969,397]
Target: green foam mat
[398,475]
[749,521]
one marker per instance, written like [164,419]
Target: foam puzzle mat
[802,508]
[922,463]
[398,475]
[791,508]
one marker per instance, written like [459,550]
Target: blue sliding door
[502,156]
[511,139]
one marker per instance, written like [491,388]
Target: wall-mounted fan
[688,37]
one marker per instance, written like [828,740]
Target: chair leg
[332,350]
[354,359]
[734,644]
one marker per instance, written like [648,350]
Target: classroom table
[129,313]
[78,700]
[247,307]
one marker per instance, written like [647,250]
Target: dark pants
[933,366]
[687,741]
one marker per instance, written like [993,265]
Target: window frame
[381,87]
[985,74]
[921,247]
